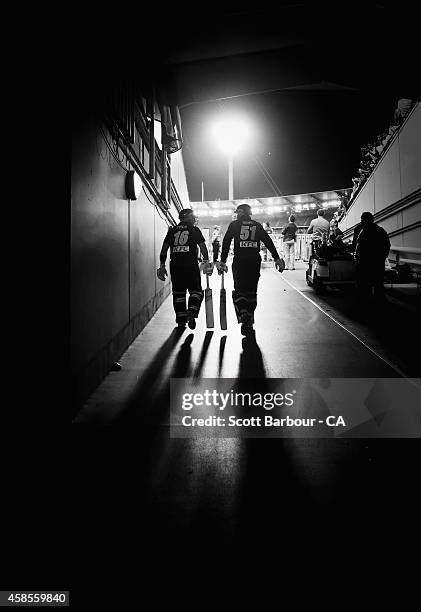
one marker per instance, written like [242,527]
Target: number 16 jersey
[183,240]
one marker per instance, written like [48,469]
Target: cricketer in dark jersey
[182,241]
[247,234]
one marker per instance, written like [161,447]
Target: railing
[415,263]
[401,260]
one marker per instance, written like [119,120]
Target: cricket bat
[223,305]
[208,304]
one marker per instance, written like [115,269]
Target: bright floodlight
[231,134]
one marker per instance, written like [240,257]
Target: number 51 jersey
[183,240]
[247,234]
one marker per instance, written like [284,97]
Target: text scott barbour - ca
[256,421]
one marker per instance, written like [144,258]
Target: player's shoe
[181,324]
[191,321]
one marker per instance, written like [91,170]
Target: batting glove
[222,267]
[206,267]
[162,273]
[280,265]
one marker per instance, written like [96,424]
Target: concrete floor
[172,499]
[295,338]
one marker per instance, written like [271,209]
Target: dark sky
[307,141]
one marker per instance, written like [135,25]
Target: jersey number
[181,237]
[246,231]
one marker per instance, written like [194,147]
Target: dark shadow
[251,360]
[221,353]
[160,358]
[203,352]
[143,394]
[182,361]
[251,377]
[392,324]
[149,406]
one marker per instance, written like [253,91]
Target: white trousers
[289,254]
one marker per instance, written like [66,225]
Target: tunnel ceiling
[363,55]
[211,51]
[316,46]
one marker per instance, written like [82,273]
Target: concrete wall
[115,246]
[393,191]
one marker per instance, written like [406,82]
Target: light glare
[231,134]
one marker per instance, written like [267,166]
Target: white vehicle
[336,271]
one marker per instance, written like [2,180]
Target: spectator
[344,201]
[268,229]
[336,234]
[380,143]
[371,152]
[355,185]
[319,227]
[341,212]
[404,106]
[216,242]
[335,246]
[391,132]
[289,233]
[372,249]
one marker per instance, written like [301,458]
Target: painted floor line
[347,330]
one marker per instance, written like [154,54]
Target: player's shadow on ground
[149,404]
[221,354]
[251,360]
[148,391]
[203,353]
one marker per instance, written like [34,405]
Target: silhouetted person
[289,233]
[372,248]
[268,229]
[247,234]
[216,243]
[403,108]
[319,227]
[183,240]
[337,245]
